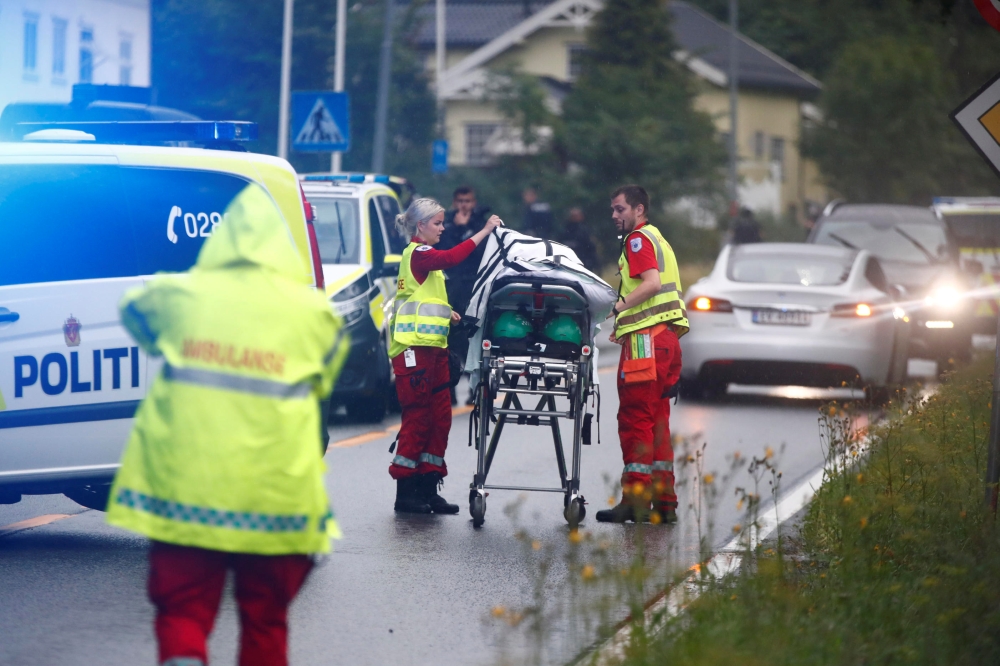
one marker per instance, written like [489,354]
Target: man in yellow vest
[223,469]
[649,318]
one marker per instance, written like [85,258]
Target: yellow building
[546,39]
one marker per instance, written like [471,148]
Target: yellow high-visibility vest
[664,307]
[225,453]
[421,315]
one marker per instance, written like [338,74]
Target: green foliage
[222,58]
[898,560]
[631,115]
[892,71]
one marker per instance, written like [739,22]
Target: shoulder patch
[423,248]
[635,244]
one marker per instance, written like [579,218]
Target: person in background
[465,219]
[745,228]
[224,469]
[577,237]
[537,215]
[421,319]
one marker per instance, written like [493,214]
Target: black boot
[409,498]
[626,510]
[667,513]
[437,503]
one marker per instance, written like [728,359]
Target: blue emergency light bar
[348,178]
[152,131]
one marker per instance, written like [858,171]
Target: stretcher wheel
[477,507]
[575,511]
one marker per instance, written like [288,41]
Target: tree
[631,114]
[221,59]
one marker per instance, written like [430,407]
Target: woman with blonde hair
[420,323]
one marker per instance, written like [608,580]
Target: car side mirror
[389,269]
[972,267]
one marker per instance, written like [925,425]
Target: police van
[85,216]
[360,250]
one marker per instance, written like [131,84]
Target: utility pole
[733,106]
[382,105]
[338,66]
[286,79]
[439,51]
[993,457]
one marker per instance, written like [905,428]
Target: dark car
[921,259]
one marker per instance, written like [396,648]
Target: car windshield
[975,230]
[774,268]
[337,230]
[911,243]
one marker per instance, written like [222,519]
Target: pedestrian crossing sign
[979,119]
[320,122]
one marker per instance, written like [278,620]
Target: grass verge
[896,562]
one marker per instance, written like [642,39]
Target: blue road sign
[320,121]
[439,158]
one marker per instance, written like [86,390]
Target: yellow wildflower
[587,572]
[575,536]
[709,478]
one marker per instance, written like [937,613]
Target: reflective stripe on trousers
[638,468]
[663,465]
[229,382]
[404,462]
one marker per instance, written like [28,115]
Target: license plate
[781,317]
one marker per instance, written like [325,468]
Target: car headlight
[945,297]
[351,302]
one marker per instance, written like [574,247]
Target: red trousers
[185,585]
[644,422]
[426,403]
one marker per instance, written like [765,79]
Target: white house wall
[111,21]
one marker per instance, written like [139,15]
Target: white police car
[81,222]
[360,248]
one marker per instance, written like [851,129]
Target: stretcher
[533,379]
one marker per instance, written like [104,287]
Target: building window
[87,55]
[58,47]
[758,146]
[30,43]
[125,61]
[476,137]
[778,154]
[574,60]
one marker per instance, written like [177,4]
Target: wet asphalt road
[402,590]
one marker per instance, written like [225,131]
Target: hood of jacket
[253,232]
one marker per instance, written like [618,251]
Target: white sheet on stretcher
[510,252]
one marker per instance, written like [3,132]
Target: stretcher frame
[523,377]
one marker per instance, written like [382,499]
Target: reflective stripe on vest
[227,382]
[663,465]
[666,305]
[421,315]
[432,460]
[638,468]
[187,513]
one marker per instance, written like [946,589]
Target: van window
[337,230]
[174,212]
[63,222]
[389,208]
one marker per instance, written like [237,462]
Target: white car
[793,314]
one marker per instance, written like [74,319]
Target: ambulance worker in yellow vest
[649,318]
[420,324]
[223,469]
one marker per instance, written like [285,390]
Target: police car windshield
[337,230]
[910,243]
[777,268]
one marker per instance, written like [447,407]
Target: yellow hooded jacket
[225,453]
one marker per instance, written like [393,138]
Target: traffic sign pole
[338,66]
[286,79]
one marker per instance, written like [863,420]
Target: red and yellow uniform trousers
[644,421]
[426,404]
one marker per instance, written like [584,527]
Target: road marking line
[373,435]
[37,521]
